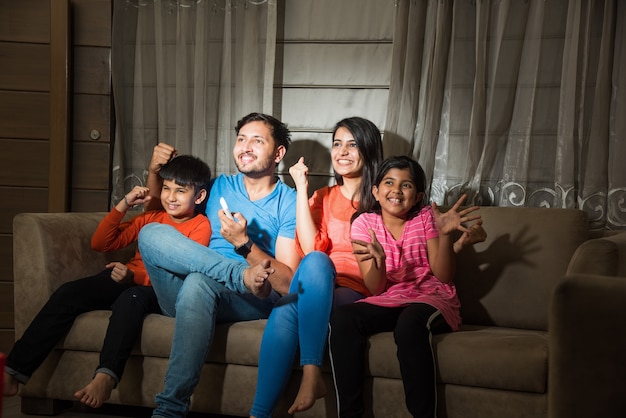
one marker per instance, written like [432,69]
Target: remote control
[226,210]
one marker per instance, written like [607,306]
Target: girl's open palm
[370,250]
[453,219]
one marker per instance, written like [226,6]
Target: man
[198,286]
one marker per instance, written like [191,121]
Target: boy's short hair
[186,170]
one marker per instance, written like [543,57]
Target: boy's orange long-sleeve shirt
[331,212]
[112,234]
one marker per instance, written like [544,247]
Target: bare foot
[312,387]
[10,385]
[256,279]
[97,392]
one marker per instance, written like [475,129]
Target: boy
[123,288]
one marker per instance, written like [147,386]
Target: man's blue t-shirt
[268,218]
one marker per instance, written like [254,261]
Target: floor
[11,409]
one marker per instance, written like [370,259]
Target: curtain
[516,103]
[184,72]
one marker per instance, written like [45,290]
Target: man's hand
[161,155]
[234,231]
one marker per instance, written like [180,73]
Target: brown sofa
[502,362]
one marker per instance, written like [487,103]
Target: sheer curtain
[184,71]
[517,103]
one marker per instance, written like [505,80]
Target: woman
[323,234]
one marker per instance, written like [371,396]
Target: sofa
[517,354]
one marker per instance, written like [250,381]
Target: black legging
[412,325]
[98,292]
[125,324]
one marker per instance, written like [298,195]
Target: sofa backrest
[50,249]
[508,280]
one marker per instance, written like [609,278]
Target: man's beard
[256,171]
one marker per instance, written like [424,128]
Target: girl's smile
[396,193]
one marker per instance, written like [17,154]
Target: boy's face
[180,201]
[255,151]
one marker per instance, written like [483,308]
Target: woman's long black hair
[370,146]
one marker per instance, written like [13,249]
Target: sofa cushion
[488,357]
[236,343]
[494,357]
[233,343]
[479,356]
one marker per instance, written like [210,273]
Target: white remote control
[226,210]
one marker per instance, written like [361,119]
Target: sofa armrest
[48,250]
[587,337]
[603,256]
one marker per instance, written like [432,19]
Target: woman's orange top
[331,212]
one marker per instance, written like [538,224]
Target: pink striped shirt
[409,277]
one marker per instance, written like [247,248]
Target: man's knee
[198,289]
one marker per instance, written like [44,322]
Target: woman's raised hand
[299,173]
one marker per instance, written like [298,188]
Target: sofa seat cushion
[233,343]
[478,356]
[237,343]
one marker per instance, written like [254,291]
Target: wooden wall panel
[24,67]
[24,130]
[91,112]
[91,166]
[6,258]
[6,301]
[92,22]
[24,162]
[89,200]
[92,105]
[22,200]
[24,115]
[25,21]
[7,320]
[60,110]
[92,70]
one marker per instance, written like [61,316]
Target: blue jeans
[301,321]
[200,288]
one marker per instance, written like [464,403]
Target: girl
[406,256]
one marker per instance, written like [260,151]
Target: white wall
[336,62]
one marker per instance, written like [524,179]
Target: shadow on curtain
[516,103]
